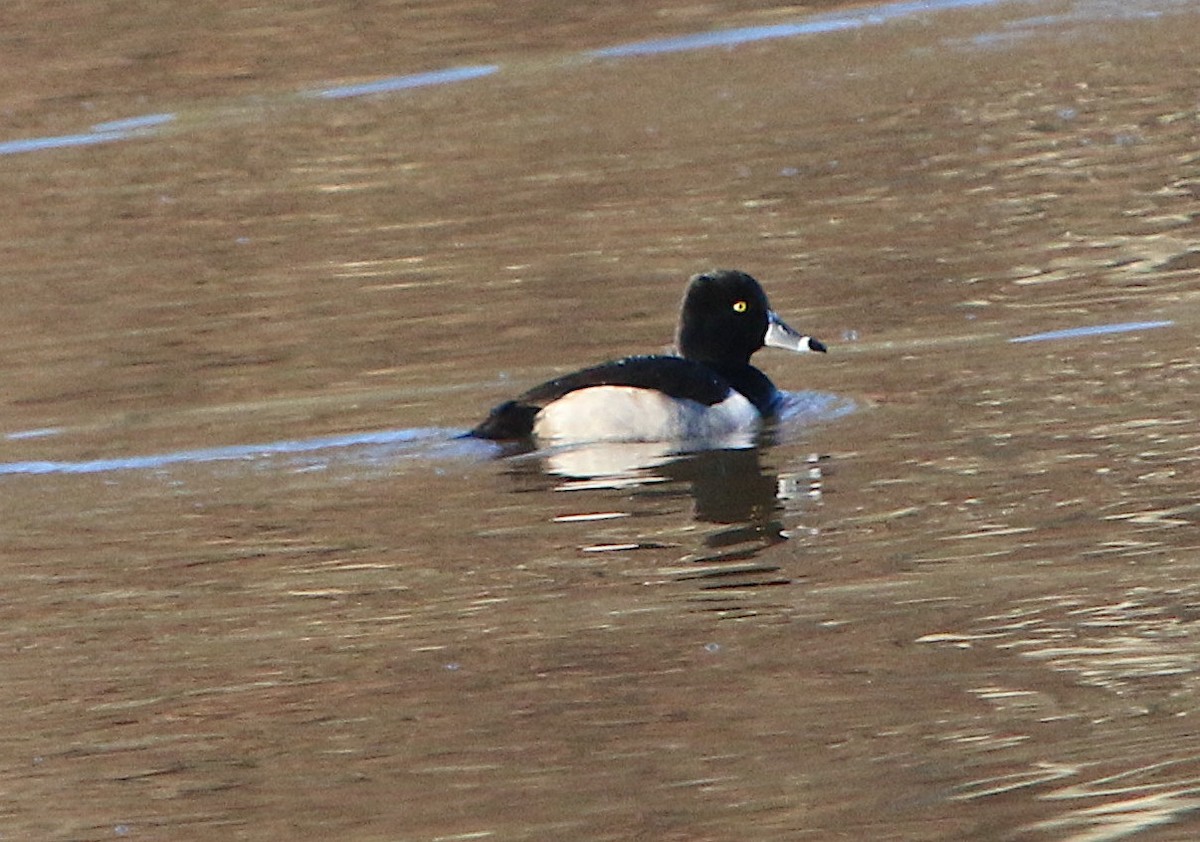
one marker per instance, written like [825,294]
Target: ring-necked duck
[710,392]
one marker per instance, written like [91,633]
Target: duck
[705,392]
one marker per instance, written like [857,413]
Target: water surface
[254,588]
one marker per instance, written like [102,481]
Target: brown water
[968,610]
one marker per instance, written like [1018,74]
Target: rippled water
[257,282]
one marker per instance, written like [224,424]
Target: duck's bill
[779,335]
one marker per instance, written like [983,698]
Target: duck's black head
[726,317]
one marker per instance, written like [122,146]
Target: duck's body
[709,392]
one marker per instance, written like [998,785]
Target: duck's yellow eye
[740,306]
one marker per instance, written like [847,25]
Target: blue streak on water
[834,22]
[236,452]
[726,38]
[131,124]
[34,144]
[401,83]
[99,133]
[1094,330]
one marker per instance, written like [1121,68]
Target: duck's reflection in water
[707,515]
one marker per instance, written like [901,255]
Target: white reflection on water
[1141,650]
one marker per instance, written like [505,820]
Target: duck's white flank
[624,413]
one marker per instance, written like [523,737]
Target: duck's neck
[752,383]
